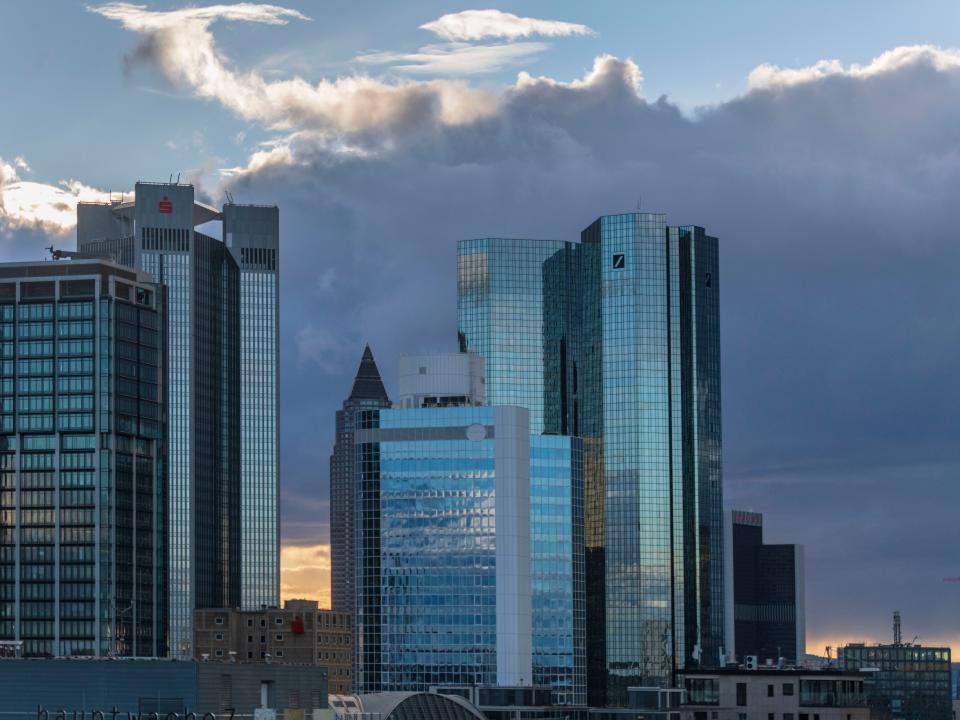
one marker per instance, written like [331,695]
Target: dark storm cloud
[835,201]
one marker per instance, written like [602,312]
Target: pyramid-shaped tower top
[368,385]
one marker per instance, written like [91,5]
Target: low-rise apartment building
[299,633]
[774,694]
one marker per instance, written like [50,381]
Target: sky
[819,141]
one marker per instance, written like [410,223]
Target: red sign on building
[166,207]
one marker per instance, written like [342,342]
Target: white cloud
[182,46]
[50,208]
[456,58]
[480,24]
[605,68]
[768,76]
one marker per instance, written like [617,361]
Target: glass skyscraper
[252,232]
[500,316]
[367,393]
[631,363]
[469,549]
[215,332]
[82,460]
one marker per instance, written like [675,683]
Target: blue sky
[817,140]
[65,77]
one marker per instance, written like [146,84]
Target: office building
[764,613]
[774,694]
[367,393]
[905,681]
[82,458]
[223,531]
[298,634]
[252,233]
[470,560]
[629,326]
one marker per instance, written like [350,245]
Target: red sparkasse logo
[166,206]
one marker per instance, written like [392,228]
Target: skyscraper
[469,542]
[764,611]
[213,333]
[631,363]
[252,232]
[82,460]
[367,393]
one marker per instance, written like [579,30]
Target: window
[249,638]
[219,621]
[741,716]
[249,622]
[279,637]
[788,716]
[788,689]
[219,653]
[219,636]
[741,694]
[619,261]
[279,621]
[804,716]
[769,690]
[249,655]
[279,653]
[263,622]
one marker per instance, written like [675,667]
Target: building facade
[82,460]
[299,634]
[765,599]
[174,690]
[367,393]
[772,694]
[629,327]
[252,233]
[221,323]
[905,681]
[470,561]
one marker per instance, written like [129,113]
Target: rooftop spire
[367,384]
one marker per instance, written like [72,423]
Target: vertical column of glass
[173,270]
[37,487]
[259,442]
[8,479]
[105,483]
[76,477]
[636,452]
[556,529]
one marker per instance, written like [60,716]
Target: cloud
[305,573]
[51,209]
[771,76]
[482,24]
[833,193]
[180,44]
[456,58]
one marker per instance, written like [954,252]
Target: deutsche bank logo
[618,261]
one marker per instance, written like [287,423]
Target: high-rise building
[629,325]
[764,597]
[469,543]
[82,460]
[500,316]
[221,335]
[367,393]
[252,232]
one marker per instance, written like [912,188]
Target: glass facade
[253,234]
[367,393]
[82,471]
[203,329]
[500,317]
[631,363]
[904,682]
[431,511]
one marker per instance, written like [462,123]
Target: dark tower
[367,393]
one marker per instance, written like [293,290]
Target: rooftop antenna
[178,178]
[170,181]
[639,199]
[897,634]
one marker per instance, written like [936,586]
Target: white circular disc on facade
[476,432]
